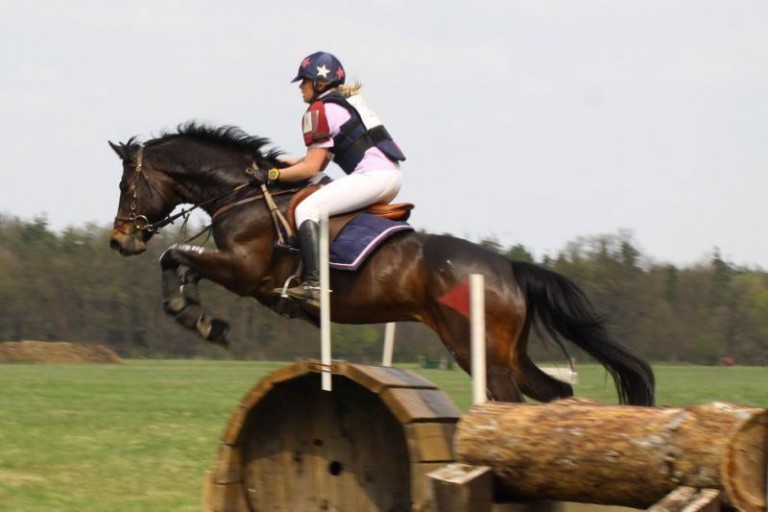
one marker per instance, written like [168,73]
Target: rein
[170,219]
[285,231]
[141,223]
[258,197]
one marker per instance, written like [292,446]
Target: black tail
[564,311]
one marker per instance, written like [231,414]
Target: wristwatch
[274,174]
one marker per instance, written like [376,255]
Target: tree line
[68,286]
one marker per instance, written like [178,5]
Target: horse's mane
[228,136]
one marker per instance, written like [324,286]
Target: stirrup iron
[284,290]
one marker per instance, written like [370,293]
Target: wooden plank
[422,495]
[276,451]
[232,431]
[304,438]
[208,492]
[463,488]
[336,460]
[409,405]
[256,394]
[379,378]
[264,479]
[289,372]
[430,442]
[379,451]
[689,499]
[360,428]
[548,506]
[228,466]
[265,385]
[226,498]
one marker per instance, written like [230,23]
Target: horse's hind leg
[503,383]
[533,382]
[454,332]
[510,371]
[509,364]
[538,384]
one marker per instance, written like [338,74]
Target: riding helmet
[321,66]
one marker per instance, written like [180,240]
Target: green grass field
[140,436]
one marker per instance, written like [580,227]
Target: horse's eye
[123,186]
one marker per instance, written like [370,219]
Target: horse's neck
[213,180]
[209,189]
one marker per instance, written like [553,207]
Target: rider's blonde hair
[346,90]
[350,89]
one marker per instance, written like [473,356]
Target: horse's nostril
[114,244]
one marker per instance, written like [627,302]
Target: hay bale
[56,352]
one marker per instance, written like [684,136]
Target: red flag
[457,298]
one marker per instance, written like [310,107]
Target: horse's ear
[119,149]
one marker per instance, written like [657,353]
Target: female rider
[337,126]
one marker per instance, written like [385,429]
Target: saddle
[396,211]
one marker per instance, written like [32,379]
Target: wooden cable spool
[365,446]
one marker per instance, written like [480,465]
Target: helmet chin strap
[318,91]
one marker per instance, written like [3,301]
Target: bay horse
[403,280]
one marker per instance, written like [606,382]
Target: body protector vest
[361,132]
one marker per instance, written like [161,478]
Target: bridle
[141,222]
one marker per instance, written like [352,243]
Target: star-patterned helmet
[321,66]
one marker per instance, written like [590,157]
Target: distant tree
[671,284]
[518,252]
[722,273]
[70,286]
[491,243]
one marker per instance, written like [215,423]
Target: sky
[526,121]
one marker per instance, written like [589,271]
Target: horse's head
[146,196]
[197,164]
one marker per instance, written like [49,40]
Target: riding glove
[263,176]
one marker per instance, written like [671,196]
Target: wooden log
[618,455]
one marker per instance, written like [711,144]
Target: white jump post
[325,303]
[477,327]
[389,344]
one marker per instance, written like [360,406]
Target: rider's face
[307,91]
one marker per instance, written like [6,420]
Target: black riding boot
[309,242]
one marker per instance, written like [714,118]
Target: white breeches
[349,193]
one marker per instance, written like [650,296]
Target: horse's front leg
[182,267]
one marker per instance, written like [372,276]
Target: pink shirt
[373,160]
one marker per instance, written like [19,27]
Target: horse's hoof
[174,305]
[213,330]
[218,333]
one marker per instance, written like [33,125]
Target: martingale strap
[285,231]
